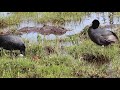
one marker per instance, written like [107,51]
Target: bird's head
[95,24]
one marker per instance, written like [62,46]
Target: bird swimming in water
[101,36]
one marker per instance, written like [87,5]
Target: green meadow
[83,59]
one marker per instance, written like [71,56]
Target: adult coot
[101,36]
[11,42]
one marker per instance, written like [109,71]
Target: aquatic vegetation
[61,17]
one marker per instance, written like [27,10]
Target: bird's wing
[115,35]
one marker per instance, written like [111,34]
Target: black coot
[11,42]
[101,36]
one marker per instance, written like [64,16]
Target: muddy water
[76,27]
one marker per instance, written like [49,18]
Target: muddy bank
[45,30]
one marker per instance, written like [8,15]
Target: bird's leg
[11,53]
[0,52]
[22,52]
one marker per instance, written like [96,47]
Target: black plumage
[12,42]
[101,36]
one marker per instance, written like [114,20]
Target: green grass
[57,18]
[60,17]
[84,59]
[41,17]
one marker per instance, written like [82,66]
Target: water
[76,27]
[5,14]
[32,37]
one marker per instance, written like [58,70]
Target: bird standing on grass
[101,36]
[12,42]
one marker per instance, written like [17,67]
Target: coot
[101,36]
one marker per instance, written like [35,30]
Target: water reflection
[32,37]
[76,27]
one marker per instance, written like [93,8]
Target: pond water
[5,14]
[76,27]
